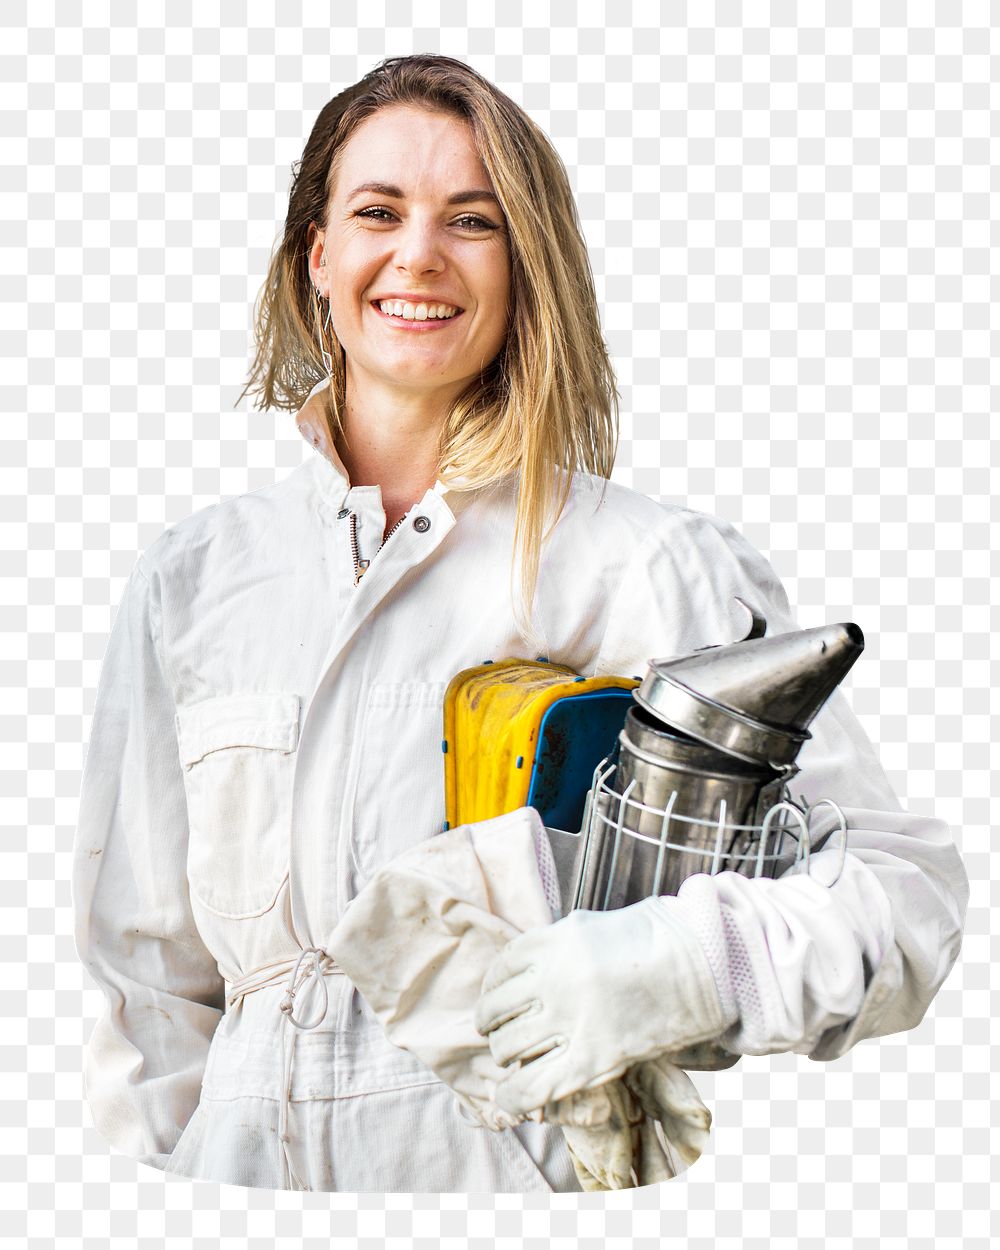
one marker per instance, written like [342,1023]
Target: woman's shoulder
[618,513]
[234,527]
[669,542]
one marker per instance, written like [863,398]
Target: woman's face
[412,220]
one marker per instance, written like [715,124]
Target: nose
[419,248]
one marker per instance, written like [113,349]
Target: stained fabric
[267,734]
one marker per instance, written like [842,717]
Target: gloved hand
[575,1004]
[417,941]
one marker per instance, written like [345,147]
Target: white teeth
[416,312]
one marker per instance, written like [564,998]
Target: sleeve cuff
[801,965]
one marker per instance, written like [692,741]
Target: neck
[391,439]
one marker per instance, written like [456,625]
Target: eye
[477,223]
[370,213]
[468,221]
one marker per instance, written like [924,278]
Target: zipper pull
[359,564]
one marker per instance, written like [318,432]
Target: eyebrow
[387,188]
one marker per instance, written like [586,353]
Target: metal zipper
[361,566]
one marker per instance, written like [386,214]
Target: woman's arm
[134,929]
[810,969]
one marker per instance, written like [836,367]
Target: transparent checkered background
[788,209]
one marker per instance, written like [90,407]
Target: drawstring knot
[317,968]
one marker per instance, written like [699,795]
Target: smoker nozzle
[753,699]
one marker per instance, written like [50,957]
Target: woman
[267,731]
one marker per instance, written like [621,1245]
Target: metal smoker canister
[704,756]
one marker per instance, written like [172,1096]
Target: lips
[414,326]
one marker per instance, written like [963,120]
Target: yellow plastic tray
[492,716]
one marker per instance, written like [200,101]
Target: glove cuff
[697,904]
[710,1005]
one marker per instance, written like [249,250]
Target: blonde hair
[547,406]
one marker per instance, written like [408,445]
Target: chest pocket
[238,755]
[398,789]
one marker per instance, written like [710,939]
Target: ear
[317,258]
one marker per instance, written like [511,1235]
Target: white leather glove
[669,1098]
[601,1128]
[648,1126]
[575,1004]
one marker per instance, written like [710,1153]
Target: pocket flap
[270,721]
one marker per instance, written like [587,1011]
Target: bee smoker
[698,779]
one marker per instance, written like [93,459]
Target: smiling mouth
[414,324]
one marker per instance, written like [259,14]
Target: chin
[417,374]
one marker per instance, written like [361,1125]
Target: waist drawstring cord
[320,965]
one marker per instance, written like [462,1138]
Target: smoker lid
[753,699]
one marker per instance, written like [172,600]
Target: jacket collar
[311,420]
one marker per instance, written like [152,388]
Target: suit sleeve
[808,962]
[134,929]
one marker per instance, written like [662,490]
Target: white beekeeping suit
[134,927]
[268,734]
